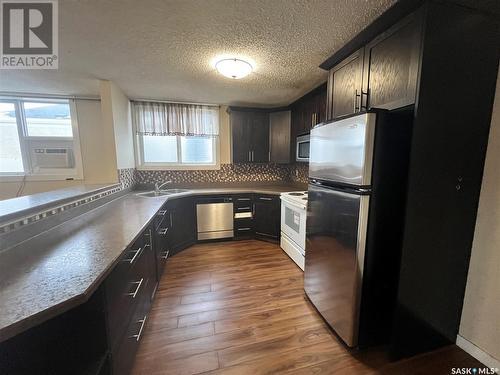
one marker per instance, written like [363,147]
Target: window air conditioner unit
[54,157]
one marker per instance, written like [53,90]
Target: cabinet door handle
[134,293]
[356,96]
[252,156]
[265,199]
[162,212]
[243,208]
[134,257]
[249,155]
[137,336]
[243,229]
[171,225]
[165,254]
[163,231]
[367,94]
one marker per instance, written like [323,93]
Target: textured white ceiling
[163,49]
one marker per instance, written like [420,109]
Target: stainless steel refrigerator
[357,184]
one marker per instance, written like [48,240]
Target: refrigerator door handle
[358,190]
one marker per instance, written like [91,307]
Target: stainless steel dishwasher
[214,218]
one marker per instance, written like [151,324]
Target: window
[176,136]
[177,150]
[39,139]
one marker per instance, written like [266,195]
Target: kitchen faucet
[158,187]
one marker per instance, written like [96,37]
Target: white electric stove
[293,225]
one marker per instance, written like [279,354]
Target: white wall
[480,325]
[116,113]
[98,155]
[96,141]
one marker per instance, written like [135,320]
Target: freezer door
[335,249]
[342,151]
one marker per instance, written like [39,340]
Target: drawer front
[124,288]
[242,203]
[243,228]
[266,198]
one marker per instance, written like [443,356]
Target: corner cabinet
[383,74]
[250,133]
[309,110]
[306,112]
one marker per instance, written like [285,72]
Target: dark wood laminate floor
[240,308]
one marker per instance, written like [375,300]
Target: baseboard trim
[477,353]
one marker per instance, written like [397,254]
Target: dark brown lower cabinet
[74,342]
[182,218]
[267,212]
[161,231]
[243,216]
[257,216]
[98,337]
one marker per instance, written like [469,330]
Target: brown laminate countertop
[59,269]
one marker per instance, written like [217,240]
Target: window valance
[156,118]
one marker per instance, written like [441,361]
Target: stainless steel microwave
[302,150]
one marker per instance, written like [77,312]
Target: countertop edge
[19,214]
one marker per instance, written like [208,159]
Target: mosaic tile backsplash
[299,172]
[227,173]
[127,177]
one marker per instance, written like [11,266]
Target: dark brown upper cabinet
[279,133]
[382,74]
[306,112]
[391,66]
[250,134]
[240,129]
[260,137]
[309,110]
[344,86]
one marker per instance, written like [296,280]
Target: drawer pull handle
[165,256]
[244,208]
[243,199]
[265,199]
[137,336]
[136,254]
[134,293]
[244,229]
[163,231]
[162,212]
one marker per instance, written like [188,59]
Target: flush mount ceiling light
[233,68]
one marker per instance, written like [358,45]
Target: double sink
[152,194]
